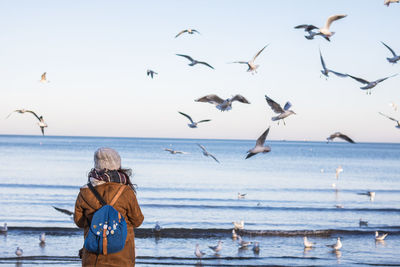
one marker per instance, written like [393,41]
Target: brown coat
[87,204]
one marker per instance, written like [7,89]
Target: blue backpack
[108,231]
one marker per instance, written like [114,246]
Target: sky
[96,54]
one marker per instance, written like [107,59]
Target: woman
[107,177]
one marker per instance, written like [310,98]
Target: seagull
[256,247]
[339,135]
[205,153]
[4,229]
[70,213]
[217,248]
[157,228]
[222,104]
[393,105]
[189,31]
[151,73]
[243,243]
[395,57]
[192,124]
[42,238]
[323,31]
[371,194]
[241,196]
[194,62]
[380,237]
[369,85]
[336,246]
[259,148]
[307,244]
[234,235]
[393,119]
[388,2]
[283,112]
[174,151]
[199,254]
[339,206]
[251,66]
[362,223]
[238,225]
[19,251]
[43,78]
[338,171]
[41,122]
[326,71]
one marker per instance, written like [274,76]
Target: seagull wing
[287,105]
[205,63]
[214,99]
[64,211]
[259,52]
[390,118]
[185,56]
[240,98]
[17,110]
[33,114]
[168,149]
[381,80]
[261,140]
[250,155]
[202,148]
[193,30]
[346,138]
[322,60]
[186,115]
[213,157]
[275,106]
[240,62]
[306,27]
[332,19]
[203,121]
[338,74]
[358,79]
[181,33]
[391,50]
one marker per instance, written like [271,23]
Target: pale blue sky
[96,54]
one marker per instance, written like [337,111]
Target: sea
[291,192]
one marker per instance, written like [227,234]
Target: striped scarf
[114,176]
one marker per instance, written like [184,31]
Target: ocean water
[290,192]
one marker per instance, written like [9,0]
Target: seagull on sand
[339,135]
[323,31]
[189,31]
[42,238]
[217,248]
[151,73]
[393,119]
[41,122]
[243,243]
[4,229]
[70,213]
[194,62]
[259,148]
[338,171]
[337,245]
[174,151]
[369,85]
[362,223]
[250,64]
[192,124]
[395,57]
[19,251]
[205,153]
[283,112]
[238,225]
[388,2]
[199,254]
[379,237]
[220,103]
[326,71]
[43,78]
[307,244]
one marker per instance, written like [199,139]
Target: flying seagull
[151,73]
[41,122]
[388,2]
[339,135]
[189,31]
[259,148]
[369,85]
[205,153]
[174,151]
[393,119]
[43,78]
[70,213]
[323,31]
[220,103]
[194,62]
[192,124]
[283,112]
[326,71]
[251,66]
[393,105]
[395,57]
[336,246]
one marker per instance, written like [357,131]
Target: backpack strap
[96,194]
[121,189]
